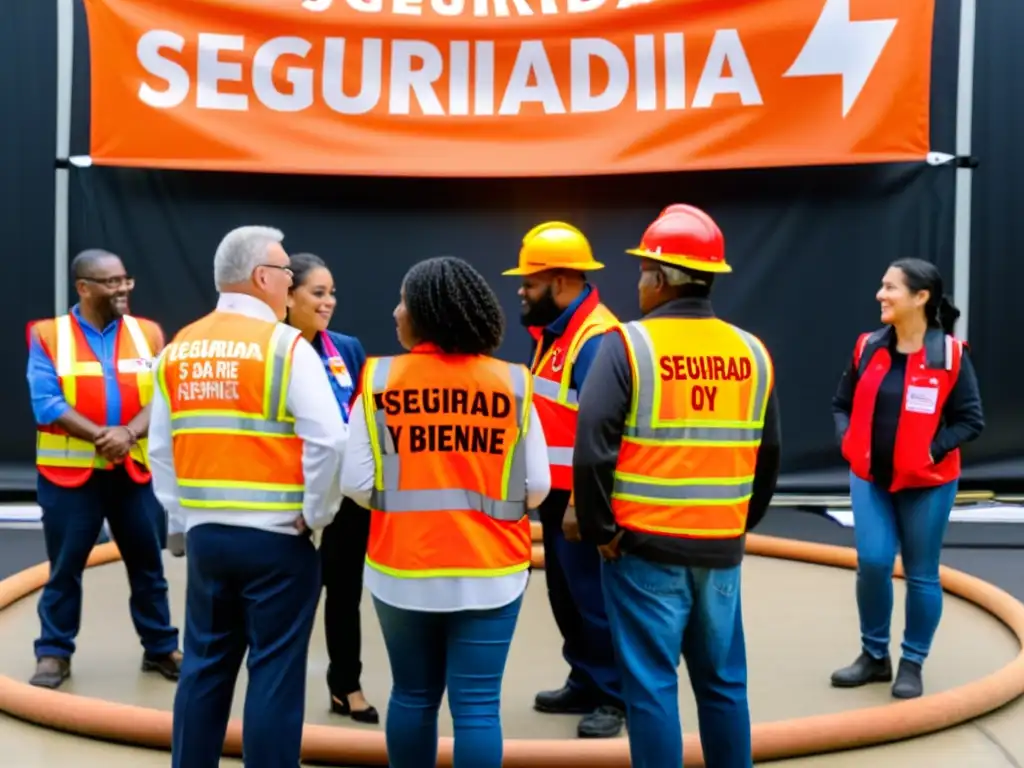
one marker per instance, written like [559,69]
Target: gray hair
[675,277]
[240,252]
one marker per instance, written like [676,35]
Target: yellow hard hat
[554,245]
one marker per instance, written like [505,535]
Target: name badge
[922,399]
[340,371]
[134,365]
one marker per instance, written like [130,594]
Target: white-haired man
[246,444]
[677,457]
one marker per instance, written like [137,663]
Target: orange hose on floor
[107,720]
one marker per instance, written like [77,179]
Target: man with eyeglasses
[246,446]
[90,379]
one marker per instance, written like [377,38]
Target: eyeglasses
[286,270]
[113,283]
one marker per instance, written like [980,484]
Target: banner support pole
[964,128]
[62,170]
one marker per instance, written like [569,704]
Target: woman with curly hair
[448,453]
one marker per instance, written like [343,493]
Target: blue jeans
[463,651]
[251,591]
[658,612]
[914,522]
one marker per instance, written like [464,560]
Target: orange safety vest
[449,492]
[700,390]
[225,378]
[68,461]
[557,403]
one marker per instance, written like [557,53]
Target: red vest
[929,380]
[65,460]
[554,398]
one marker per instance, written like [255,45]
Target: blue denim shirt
[48,403]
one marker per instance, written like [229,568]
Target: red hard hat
[684,236]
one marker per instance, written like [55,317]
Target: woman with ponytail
[906,403]
[311,304]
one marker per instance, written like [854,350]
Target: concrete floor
[801,624]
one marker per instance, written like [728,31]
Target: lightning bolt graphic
[839,46]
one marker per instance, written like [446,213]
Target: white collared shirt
[441,594]
[318,423]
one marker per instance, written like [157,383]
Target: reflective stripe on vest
[557,402]
[55,448]
[551,390]
[643,428]
[386,496]
[273,422]
[559,457]
[250,495]
[694,432]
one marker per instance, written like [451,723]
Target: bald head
[102,284]
[90,261]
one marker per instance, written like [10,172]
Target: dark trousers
[72,520]
[573,574]
[342,556]
[159,520]
[252,590]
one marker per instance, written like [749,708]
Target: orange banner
[507,87]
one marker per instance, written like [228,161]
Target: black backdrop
[808,245]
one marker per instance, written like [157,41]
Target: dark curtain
[28,88]
[808,245]
[997,229]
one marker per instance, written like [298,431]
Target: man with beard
[567,320]
[90,379]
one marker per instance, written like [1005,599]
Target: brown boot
[51,672]
[168,665]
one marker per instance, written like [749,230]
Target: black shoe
[908,683]
[564,701]
[51,672]
[603,723]
[370,716]
[167,666]
[866,669]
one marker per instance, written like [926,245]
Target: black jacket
[604,405]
